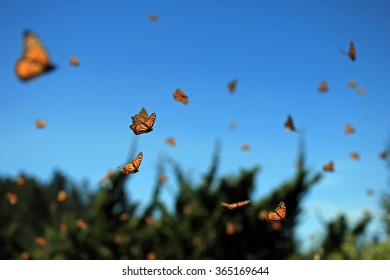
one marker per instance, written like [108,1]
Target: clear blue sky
[279,51]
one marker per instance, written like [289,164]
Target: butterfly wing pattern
[278,215]
[133,166]
[139,126]
[35,60]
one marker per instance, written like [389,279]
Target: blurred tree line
[59,220]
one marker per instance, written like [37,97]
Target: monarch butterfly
[232,125]
[329,166]
[180,96]
[323,87]
[236,204]
[349,129]
[245,147]
[383,155]
[21,180]
[74,61]
[171,141]
[277,215]
[139,127]
[40,123]
[352,51]
[352,84]
[289,124]
[143,115]
[153,17]
[12,198]
[361,91]
[35,60]
[133,166]
[355,155]
[232,86]
[163,178]
[62,196]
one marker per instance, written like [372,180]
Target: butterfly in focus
[232,86]
[289,124]
[355,155]
[351,51]
[180,96]
[329,166]
[349,129]
[170,141]
[40,123]
[133,166]
[35,60]
[139,126]
[74,61]
[323,87]
[278,215]
[236,204]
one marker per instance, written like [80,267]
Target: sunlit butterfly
[236,204]
[40,123]
[133,166]
[355,155]
[140,127]
[232,85]
[74,61]
[35,59]
[170,141]
[278,215]
[289,124]
[180,96]
[323,87]
[349,129]
[62,196]
[329,166]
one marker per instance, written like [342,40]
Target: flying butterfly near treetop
[278,215]
[236,204]
[35,59]
[133,166]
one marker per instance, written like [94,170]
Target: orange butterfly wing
[133,166]
[35,59]
[329,166]
[289,124]
[139,127]
[180,96]
[278,215]
[352,51]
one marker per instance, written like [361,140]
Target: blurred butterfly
[40,123]
[349,129]
[351,51]
[109,175]
[74,61]
[383,155]
[277,215]
[329,166]
[245,147]
[12,198]
[289,124]
[232,86]
[323,87]
[355,155]
[35,59]
[81,223]
[41,241]
[180,96]
[139,127]
[143,115]
[62,196]
[233,125]
[361,91]
[21,180]
[163,178]
[370,192]
[153,17]
[236,204]
[171,141]
[133,166]
[352,84]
